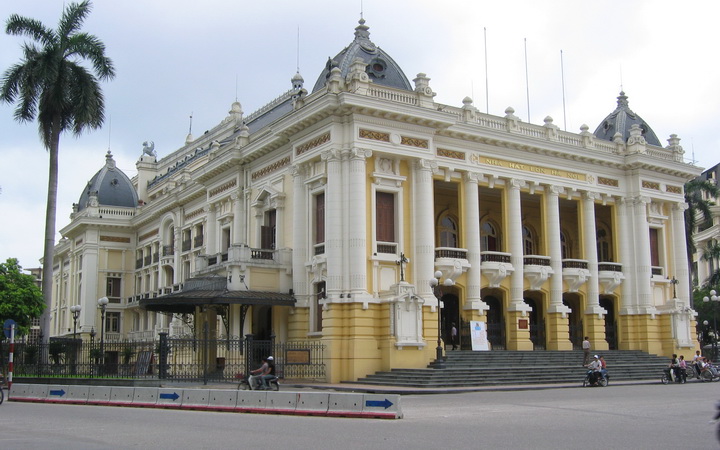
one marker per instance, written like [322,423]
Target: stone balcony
[495,266]
[575,273]
[451,261]
[244,255]
[537,270]
[610,276]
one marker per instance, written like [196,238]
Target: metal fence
[167,358]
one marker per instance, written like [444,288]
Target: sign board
[142,365]
[7,325]
[478,336]
[523,324]
[300,356]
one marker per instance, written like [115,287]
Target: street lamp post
[715,299]
[437,290]
[102,303]
[75,310]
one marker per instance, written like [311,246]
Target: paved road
[616,417]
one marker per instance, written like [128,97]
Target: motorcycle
[602,380]
[254,383]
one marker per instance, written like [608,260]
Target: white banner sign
[478,336]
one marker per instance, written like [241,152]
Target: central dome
[381,68]
[109,187]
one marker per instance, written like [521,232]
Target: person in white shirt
[586,350]
[595,366]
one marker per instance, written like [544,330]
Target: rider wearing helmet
[269,373]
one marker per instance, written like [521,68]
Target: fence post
[248,353]
[163,356]
[206,351]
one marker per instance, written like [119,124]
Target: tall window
[112,322]
[112,291]
[448,232]
[385,220]
[268,231]
[603,244]
[320,218]
[565,246]
[528,241]
[490,241]
[319,295]
[654,247]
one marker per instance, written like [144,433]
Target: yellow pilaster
[517,338]
[557,330]
[298,323]
[594,328]
[641,332]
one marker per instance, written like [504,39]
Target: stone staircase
[501,367]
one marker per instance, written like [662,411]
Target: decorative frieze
[271,168]
[194,214]
[318,141]
[673,189]
[374,135]
[650,185]
[451,154]
[124,240]
[480,160]
[414,142]
[608,181]
[224,187]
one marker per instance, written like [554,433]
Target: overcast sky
[181,57]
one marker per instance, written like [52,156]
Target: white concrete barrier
[121,395]
[56,393]
[169,398]
[145,397]
[382,406]
[195,399]
[77,394]
[222,399]
[346,405]
[251,401]
[28,392]
[312,403]
[281,402]
[99,395]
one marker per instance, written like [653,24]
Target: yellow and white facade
[547,236]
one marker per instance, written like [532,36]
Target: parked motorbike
[603,380]
[254,383]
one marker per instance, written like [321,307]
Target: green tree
[20,298]
[712,253]
[51,83]
[697,212]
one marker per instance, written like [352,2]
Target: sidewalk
[301,385]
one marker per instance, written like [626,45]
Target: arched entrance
[495,322]
[575,323]
[450,315]
[608,303]
[537,322]
[262,322]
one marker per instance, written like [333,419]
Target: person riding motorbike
[270,374]
[256,376]
[595,368]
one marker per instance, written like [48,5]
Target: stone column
[643,271]
[552,217]
[279,206]
[301,213]
[589,238]
[333,224]
[679,253]
[423,211]
[211,244]
[514,228]
[238,236]
[472,238]
[357,223]
[628,298]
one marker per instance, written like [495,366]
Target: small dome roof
[381,68]
[111,186]
[621,120]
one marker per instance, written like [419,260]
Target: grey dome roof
[381,68]
[111,186]
[621,120]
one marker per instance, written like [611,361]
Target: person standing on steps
[453,336]
[586,351]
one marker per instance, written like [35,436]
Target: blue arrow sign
[61,392]
[172,396]
[379,403]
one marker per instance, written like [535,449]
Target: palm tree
[51,83]
[712,253]
[696,192]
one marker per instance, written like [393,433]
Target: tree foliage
[51,83]
[20,298]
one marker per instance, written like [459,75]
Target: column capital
[332,155]
[471,177]
[426,164]
[516,183]
[300,170]
[553,189]
[360,153]
[590,196]
[680,206]
[641,199]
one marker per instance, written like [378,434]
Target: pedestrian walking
[453,336]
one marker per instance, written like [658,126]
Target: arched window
[529,246]
[489,237]
[565,246]
[448,232]
[603,244]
